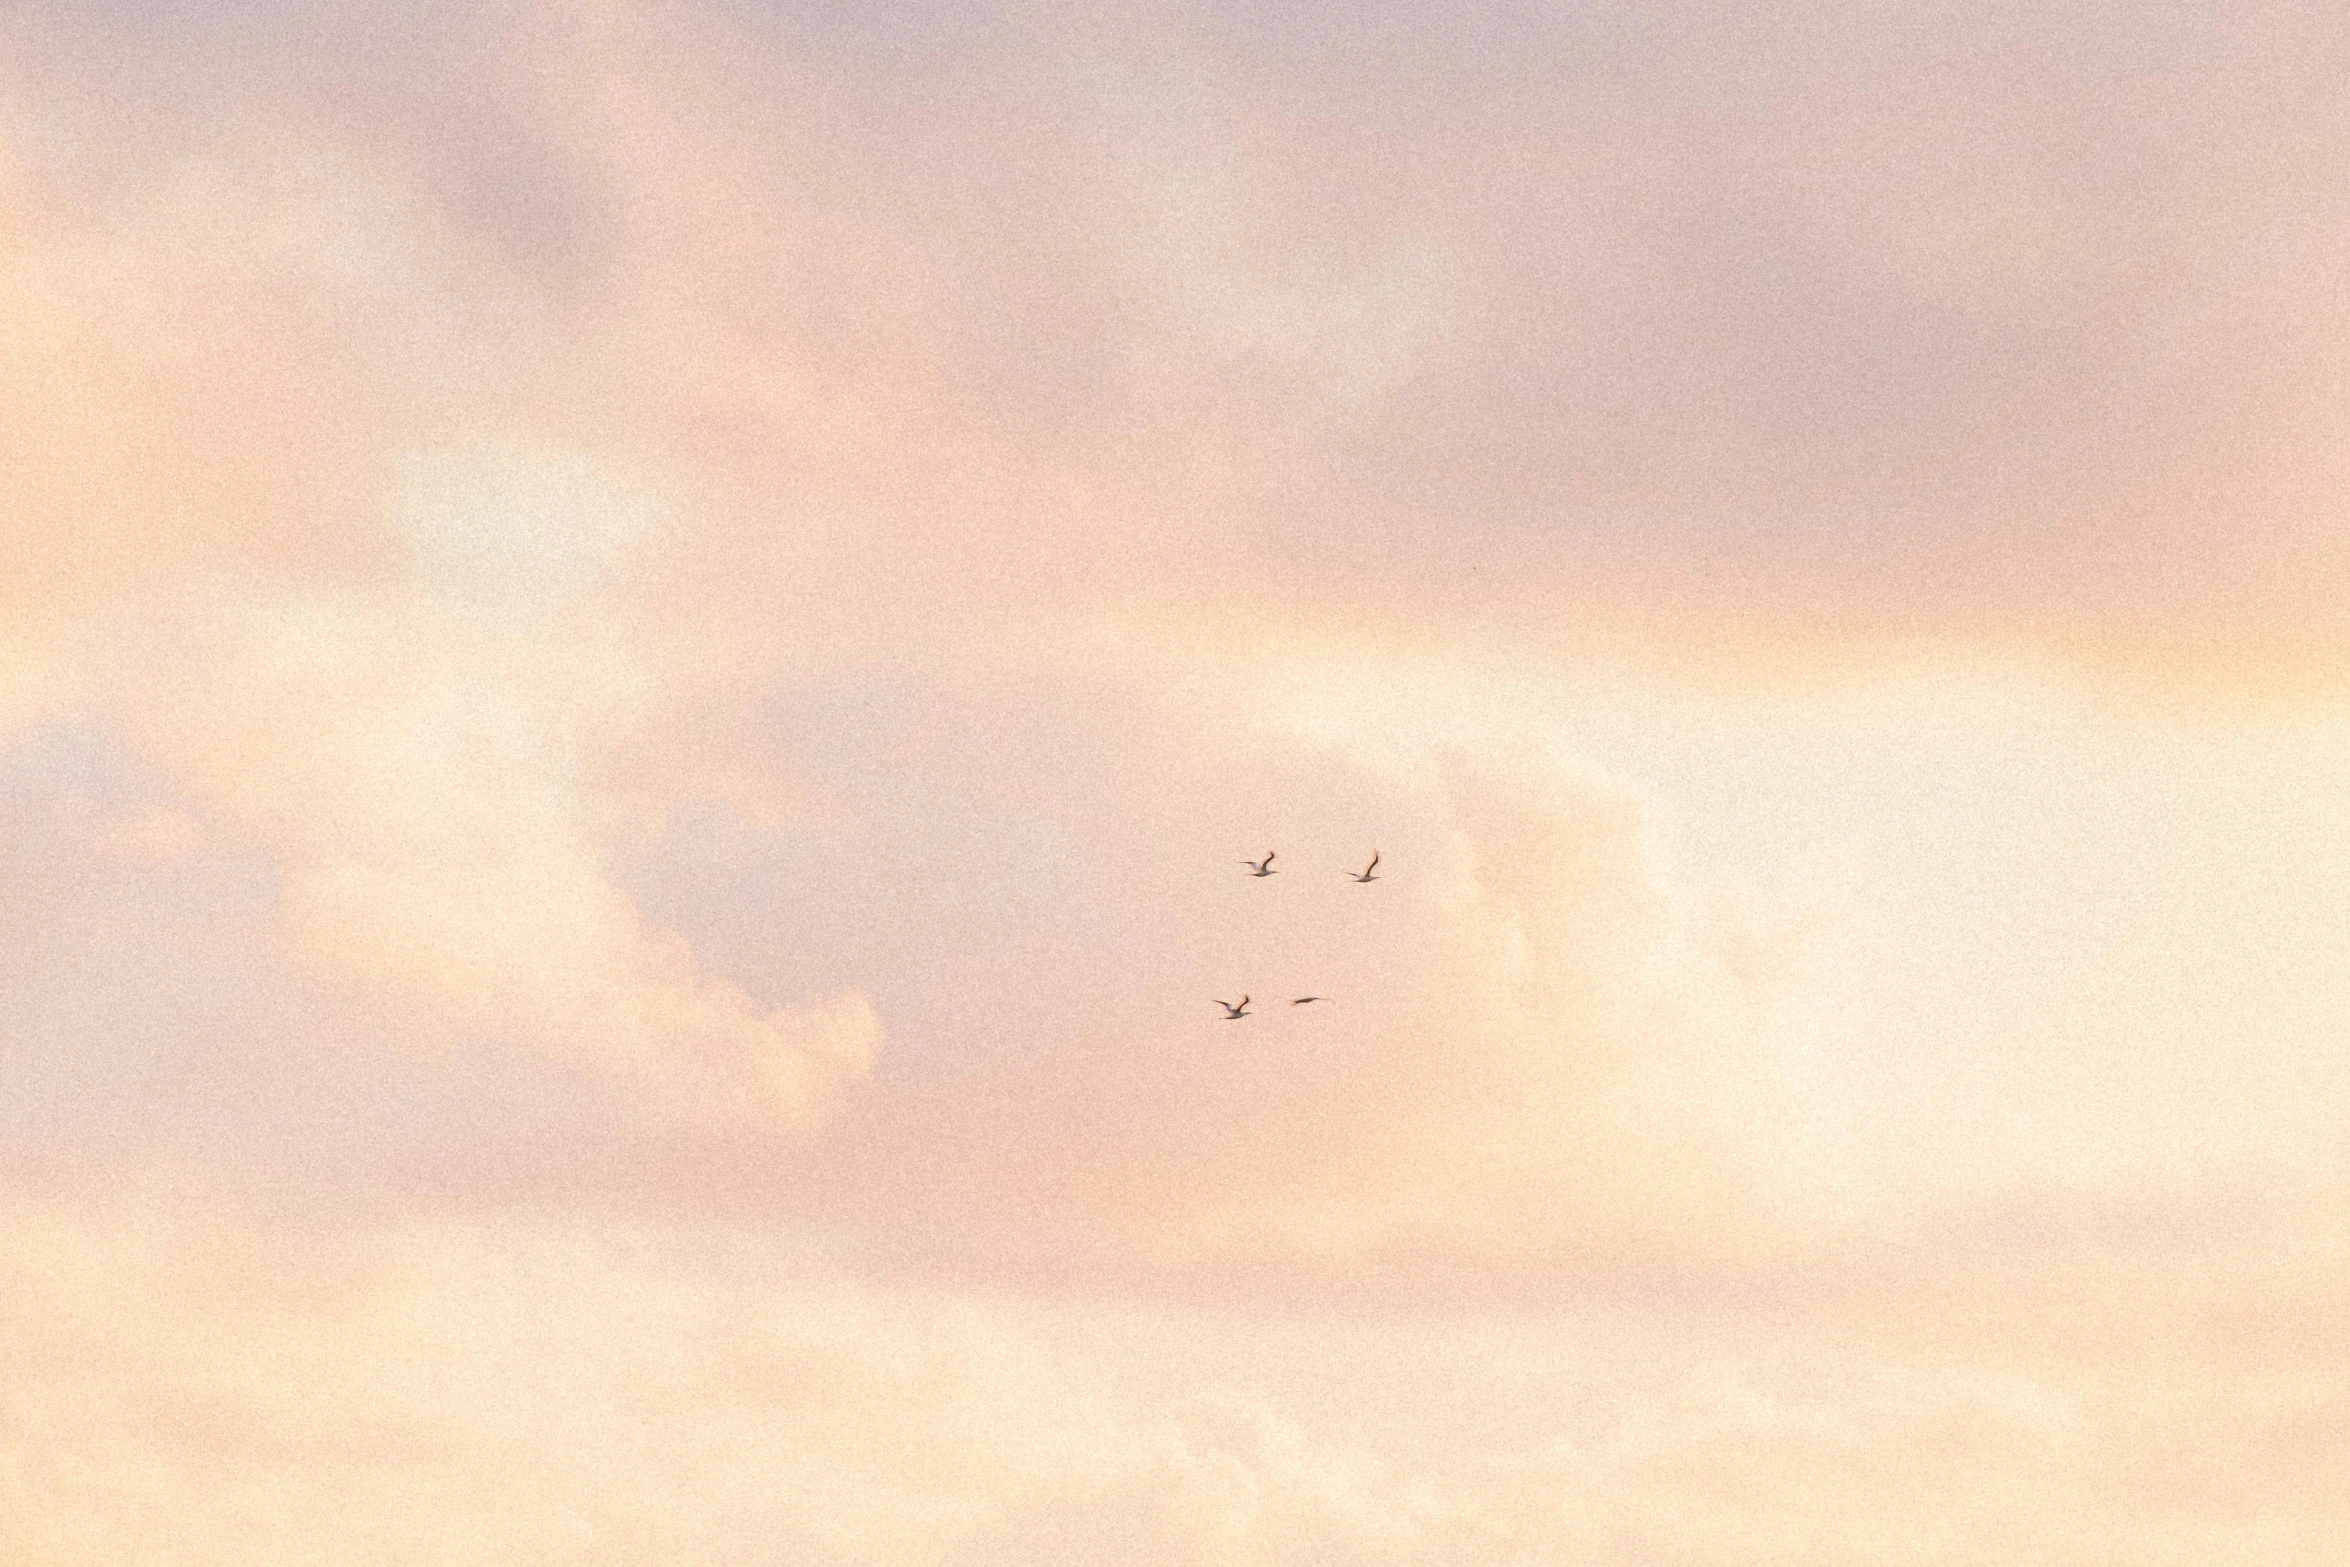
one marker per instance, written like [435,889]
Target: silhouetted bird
[1263,867]
[1369,871]
[1231,1011]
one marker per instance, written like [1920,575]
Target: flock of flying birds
[1234,1011]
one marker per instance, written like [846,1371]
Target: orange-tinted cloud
[683,610]
[204,1376]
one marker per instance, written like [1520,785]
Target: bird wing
[1374,865]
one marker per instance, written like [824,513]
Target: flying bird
[1263,867]
[1302,1000]
[1368,872]
[1231,1011]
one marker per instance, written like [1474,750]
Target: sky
[641,640]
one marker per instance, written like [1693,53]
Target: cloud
[518,1388]
[234,562]
[1540,1057]
[508,1391]
[441,865]
[1874,331]
[615,557]
[1861,331]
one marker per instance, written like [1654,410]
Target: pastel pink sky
[639,645]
